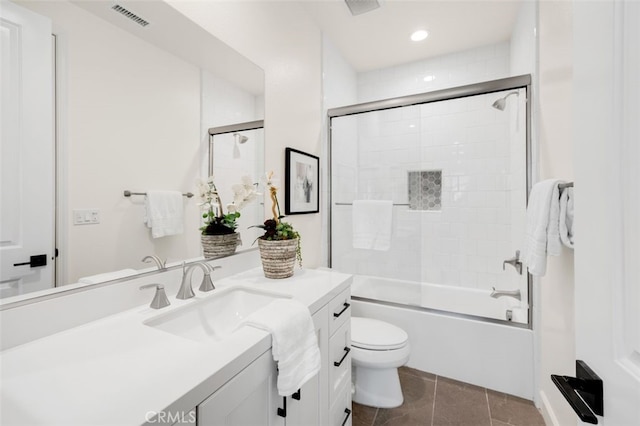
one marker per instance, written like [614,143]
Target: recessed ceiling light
[419,35]
[429,77]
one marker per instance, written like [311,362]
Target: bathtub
[469,302]
[454,332]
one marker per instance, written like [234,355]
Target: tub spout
[508,293]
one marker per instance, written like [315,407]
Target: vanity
[187,363]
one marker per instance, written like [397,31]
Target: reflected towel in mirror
[164,213]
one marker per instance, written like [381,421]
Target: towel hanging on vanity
[294,344]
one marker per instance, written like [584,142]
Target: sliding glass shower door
[453,173]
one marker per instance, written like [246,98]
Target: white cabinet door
[312,406]
[341,409]
[250,398]
[607,200]
[26,152]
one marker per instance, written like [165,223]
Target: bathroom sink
[215,317]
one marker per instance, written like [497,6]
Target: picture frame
[302,182]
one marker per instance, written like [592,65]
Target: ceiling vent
[135,18]
[358,7]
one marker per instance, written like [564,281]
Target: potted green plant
[218,233]
[280,244]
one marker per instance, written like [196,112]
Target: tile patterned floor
[431,400]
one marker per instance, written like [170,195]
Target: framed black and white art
[302,182]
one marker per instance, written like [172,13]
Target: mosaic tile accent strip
[425,190]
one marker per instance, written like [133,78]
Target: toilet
[377,350]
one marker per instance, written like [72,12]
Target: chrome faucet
[508,293]
[186,291]
[160,299]
[207,283]
[515,262]
[161,264]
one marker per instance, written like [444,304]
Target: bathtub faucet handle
[515,262]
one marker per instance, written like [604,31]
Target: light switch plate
[86,216]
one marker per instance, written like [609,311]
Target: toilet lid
[367,333]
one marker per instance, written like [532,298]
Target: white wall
[456,69]
[556,326]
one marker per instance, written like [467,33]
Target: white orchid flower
[247,182]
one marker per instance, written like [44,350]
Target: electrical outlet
[86,216]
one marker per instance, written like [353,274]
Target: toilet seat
[375,335]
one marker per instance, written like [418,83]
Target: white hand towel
[107,276]
[294,342]
[164,213]
[566,217]
[542,233]
[372,223]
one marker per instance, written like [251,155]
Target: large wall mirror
[137,87]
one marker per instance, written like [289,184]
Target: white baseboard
[550,418]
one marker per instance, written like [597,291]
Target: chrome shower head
[240,138]
[500,104]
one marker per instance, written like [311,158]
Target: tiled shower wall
[476,147]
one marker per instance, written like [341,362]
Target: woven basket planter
[219,245]
[278,257]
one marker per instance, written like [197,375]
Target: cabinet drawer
[339,359]
[339,310]
[341,414]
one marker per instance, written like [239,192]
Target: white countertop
[118,371]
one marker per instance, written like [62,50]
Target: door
[607,200]
[27,183]
[250,398]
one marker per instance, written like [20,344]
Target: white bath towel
[164,213]
[107,276]
[542,233]
[294,342]
[372,223]
[566,217]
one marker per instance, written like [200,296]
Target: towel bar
[128,193]
[562,186]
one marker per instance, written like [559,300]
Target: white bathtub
[496,355]
[460,300]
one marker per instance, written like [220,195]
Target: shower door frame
[482,88]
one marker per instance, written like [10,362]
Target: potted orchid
[280,244]
[218,233]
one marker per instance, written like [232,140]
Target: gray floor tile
[414,372]
[363,415]
[417,407]
[513,410]
[438,401]
[460,404]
